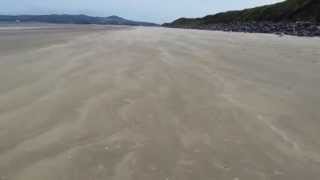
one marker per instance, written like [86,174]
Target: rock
[308,29]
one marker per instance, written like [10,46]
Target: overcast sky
[147,10]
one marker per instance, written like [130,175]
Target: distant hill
[287,11]
[73,19]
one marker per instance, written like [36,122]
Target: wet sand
[119,103]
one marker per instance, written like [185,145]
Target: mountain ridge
[73,19]
[286,11]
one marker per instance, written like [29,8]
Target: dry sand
[93,103]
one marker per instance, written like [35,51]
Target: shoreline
[301,29]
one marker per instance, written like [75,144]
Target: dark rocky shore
[307,29]
[297,29]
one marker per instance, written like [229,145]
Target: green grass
[289,10]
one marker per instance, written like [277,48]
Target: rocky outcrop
[297,29]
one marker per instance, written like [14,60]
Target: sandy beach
[122,103]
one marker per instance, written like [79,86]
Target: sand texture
[119,103]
